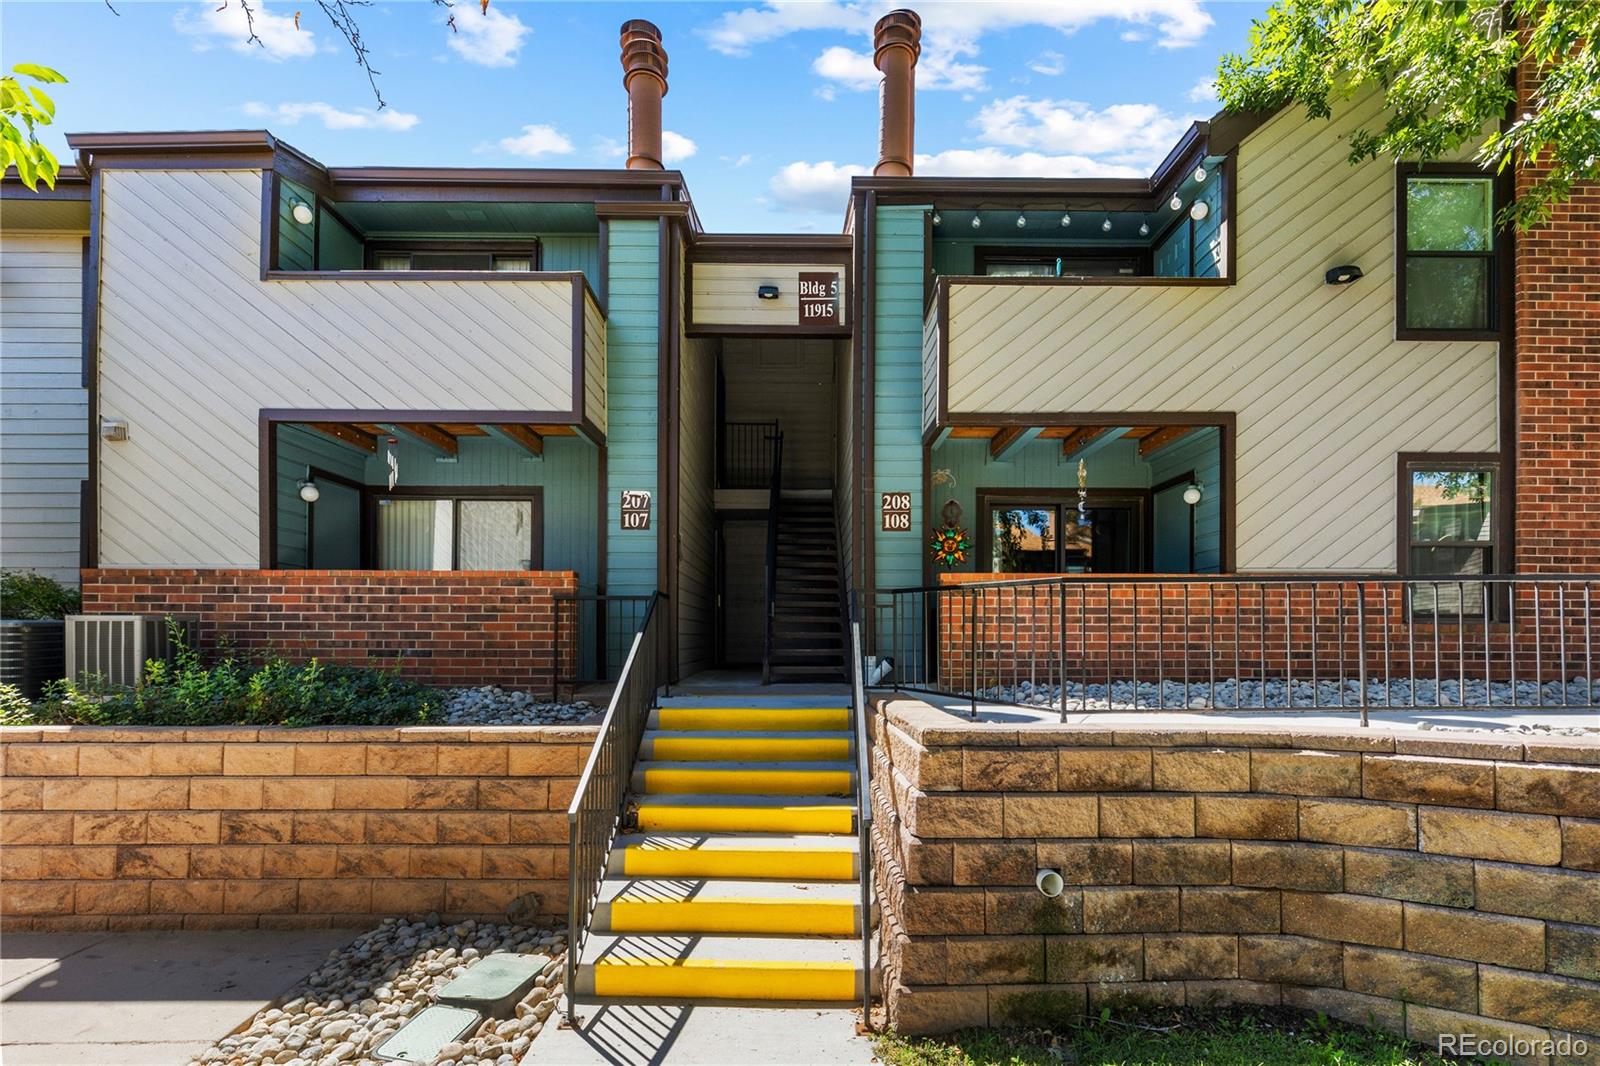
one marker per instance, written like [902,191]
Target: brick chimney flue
[896,43]
[644,75]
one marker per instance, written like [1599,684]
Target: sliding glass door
[1038,534]
[424,531]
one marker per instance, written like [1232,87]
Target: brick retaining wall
[164,828]
[1424,884]
[442,627]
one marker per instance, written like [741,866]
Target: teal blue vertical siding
[299,449]
[1208,247]
[337,247]
[1172,257]
[295,249]
[568,473]
[897,389]
[568,252]
[632,349]
[1200,451]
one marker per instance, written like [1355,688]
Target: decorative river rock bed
[491,705]
[364,992]
[1231,694]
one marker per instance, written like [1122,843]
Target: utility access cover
[430,1029]
[495,983]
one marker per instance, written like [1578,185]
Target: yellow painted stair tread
[688,747]
[821,917]
[818,864]
[726,979]
[733,819]
[790,782]
[790,718]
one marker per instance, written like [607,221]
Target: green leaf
[39,73]
[47,105]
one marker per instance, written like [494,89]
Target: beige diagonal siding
[193,344]
[1324,394]
[594,362]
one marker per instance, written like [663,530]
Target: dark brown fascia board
[771,248]
[71,184]
[170,140]
[774,241]
[652,180]
[670,209]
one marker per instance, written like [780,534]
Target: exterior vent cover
[112,649]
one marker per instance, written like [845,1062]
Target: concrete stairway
[736,875]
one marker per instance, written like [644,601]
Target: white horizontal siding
[724,294]
[1324,395]
[194,344]
[43,407]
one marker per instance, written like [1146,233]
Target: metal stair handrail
[858,702]
[595,813]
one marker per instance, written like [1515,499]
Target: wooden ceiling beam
[1005,440]
[1140,432]
[523,437]
[1161,438]
[1080,438]
[435,437]
[348,435]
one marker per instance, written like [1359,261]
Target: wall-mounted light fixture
[1199,210]
[301,211]
[767,292]
[1342,275]
[309,491]
[1193,494]
[114,429]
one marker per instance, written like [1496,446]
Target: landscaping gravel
[1233,694]
[364,992]
[491,705]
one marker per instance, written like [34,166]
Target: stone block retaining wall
[1421,883]
[163,828]
[1191,626]
[441,627]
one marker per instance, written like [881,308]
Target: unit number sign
[896,510]
[635,509]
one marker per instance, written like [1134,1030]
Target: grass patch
[1256,1037]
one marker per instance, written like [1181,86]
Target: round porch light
[1176,203]
[1199,210]
[302,212]
[1199,174]
[309,491]
[1192,495]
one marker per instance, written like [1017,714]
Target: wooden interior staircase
[735,875]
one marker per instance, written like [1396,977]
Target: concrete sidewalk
[128,999]
[734,1035]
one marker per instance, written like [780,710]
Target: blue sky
[771,105]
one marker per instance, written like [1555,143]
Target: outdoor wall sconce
[1342,275]
[1193,494]
[309,491]
[301,211]
[767,292]
[114,429]
[1199,210]
[1049,882]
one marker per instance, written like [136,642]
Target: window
[1038,532]
[1450,532]
[1054,262]
[1449,280]
[501,256]
[438,532]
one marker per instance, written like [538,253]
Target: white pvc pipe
[1049,882]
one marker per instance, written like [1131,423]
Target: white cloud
[359,118]
[1205,91]
[675,147]
[737,161]
[227,24]
[1132,134]
[536,141]
[489,38]
[736,32]
[1049,64]
[996,163]
[853,70]
[823,186]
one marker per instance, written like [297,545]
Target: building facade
[252,374]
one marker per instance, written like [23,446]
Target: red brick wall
[1244,630]
[441,627]
[1558,383]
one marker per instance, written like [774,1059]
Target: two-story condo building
[385,412]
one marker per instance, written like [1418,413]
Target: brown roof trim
[451,176]
[775,240]
[175,140]
[71,184]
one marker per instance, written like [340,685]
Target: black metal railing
[596,808]
[774,509]
[1085,643]
[594,631]
[744,457]
[855,671]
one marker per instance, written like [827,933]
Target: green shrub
[26,594]
[230,691]
[14,706]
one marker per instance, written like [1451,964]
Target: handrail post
[1361,646]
